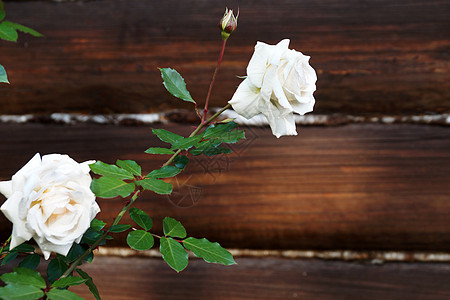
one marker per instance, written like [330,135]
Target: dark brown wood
[360,186]
[266,278]
[101,56]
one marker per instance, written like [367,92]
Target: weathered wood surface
[267,278]
[361,186]
[101,56]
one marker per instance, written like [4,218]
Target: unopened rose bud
[228,23]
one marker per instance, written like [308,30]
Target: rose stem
[205,110]
[133,199]
[4,244]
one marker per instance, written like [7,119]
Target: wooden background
[380,56]
[363,186]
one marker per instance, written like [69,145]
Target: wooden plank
[101,56]
[266,278]
[360,186]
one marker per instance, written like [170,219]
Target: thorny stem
[156,236]
[159,237]
[136,194]
[219,61]
[5,243]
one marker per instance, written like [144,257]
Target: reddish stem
[219,61]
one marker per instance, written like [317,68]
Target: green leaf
[24,248]
[205,145]
[78,249]
[91,236]
[55,269]
[101,168]
[31,261]
[24,276]
[210,252]
[75,251]
[174,254]
[141,218]
[97,224]
[130,166]
[164,172]
[119,228]
[9,257]
[158,150]
[7,32]
[173,228]
[175,84]
[90,283]
[3,76]
[181,161]
[233,137]
[156,185]
[23,28]
[20,292]
[68,281]
[167,136]
[140,240]
[109,187]
[28,272]
[216,151]
[90,257]
[218,130]
[57,294]
[186,143]
[210,148]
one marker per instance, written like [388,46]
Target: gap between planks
[188,116]
[375,257]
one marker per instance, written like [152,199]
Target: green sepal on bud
[228,23]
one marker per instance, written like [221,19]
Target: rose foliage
[52,198]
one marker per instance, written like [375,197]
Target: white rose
[50,200]
[279,82]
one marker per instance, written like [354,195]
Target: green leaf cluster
[216,135]
[25,283]
[140,239]
[208,142]
[174,244]
[123,178]
[10,254]
[22,283]
[112,183]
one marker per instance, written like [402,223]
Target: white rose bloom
[50,200]
[279,82]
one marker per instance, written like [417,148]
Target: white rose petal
[49,200]
[279,83]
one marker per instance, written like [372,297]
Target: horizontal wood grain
[360,186]
[265,278]
[102,56]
